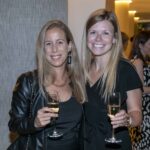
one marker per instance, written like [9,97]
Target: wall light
[136,18]
[132,11]
[123,1]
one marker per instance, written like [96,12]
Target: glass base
[55,135]
[113,140]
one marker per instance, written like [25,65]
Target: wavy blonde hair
[45,74]
[108,79]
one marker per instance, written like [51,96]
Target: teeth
[55,57]
[98,45]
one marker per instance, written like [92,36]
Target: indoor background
[20,22]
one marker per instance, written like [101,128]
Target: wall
[126,21]
[78,12]
[20,22]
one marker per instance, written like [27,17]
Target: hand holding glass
[113,108]
[53,103]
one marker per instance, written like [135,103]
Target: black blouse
[97,123]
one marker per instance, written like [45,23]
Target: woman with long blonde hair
[106,72]
[58,71]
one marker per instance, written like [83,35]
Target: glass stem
[113,133]
[54,125]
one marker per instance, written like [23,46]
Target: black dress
[97,124]
[68,123]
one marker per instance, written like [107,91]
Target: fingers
[44,116]
[120,119]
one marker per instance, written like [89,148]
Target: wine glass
[53,103]
[113,108]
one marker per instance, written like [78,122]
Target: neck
[60,84]
[60,79]
[100,62]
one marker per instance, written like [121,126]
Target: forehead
[103,25]
[55,31]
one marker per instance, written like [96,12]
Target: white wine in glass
[54,106]
[113,108]
[53,102]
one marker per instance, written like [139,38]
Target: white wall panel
[78,12]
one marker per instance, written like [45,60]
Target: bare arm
[134,104]
[146,89]
[134,111]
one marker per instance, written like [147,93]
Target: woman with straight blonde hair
[58,72]
[107,72]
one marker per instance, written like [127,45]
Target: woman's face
[56,47]
[145,48]
[100,37]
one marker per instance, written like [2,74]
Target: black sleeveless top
[68,122]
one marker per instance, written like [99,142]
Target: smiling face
[56,47]
[100,37]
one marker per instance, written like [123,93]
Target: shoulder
[127,70]
[28,75]
[125,65]
[25,79]
[128,76]
[138,62]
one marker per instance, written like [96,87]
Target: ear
[114,40]
[70,46]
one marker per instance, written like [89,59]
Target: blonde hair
[108,78]
[45,74]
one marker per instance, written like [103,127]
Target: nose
[98,37]
[54,48]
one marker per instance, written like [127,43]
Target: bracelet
[129,121]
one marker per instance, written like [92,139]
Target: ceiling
[142,8]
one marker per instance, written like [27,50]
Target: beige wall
[126,21]
[121,10]
[78,12]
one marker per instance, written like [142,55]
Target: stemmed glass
[113,108]
[53,102]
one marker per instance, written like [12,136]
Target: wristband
[129,121]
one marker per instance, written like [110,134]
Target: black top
[97,123]
[68,123]
[27,99]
